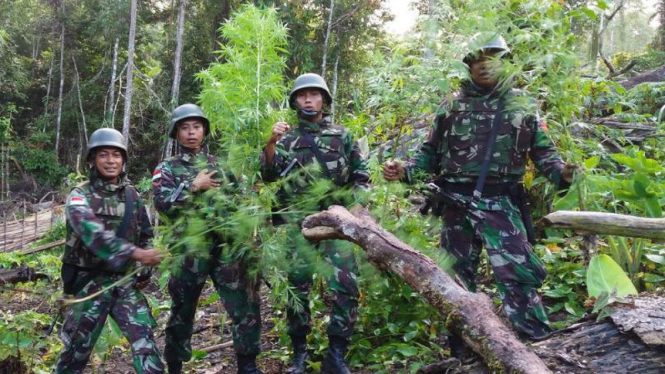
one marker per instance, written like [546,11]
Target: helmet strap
[307,114]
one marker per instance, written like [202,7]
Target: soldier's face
[485,70]
[310,99]
[191,132]
[108,161]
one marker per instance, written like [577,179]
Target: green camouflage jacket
[173,177]
[94,212]
[340,153]
[456,145]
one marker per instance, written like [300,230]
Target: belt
[466,189]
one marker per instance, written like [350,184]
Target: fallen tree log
[631,340]
[606,223]
[470,315]
[20,274]
[656,75]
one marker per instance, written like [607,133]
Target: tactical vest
[330,140]
[110,209]
[466,130]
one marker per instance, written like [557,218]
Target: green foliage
[238,92]
[37,157]
[647,97]
[605,275]
[21,335]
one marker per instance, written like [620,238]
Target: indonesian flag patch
[77,200]
[543,126]
[155,176]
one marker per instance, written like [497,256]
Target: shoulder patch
[543,126]
[77,200]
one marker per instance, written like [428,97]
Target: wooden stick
[44,247]
[217,347]
[23,229]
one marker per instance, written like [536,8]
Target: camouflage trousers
[238,292]
[84,322]
[340,269]
[518,271]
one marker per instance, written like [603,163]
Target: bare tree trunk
[48,86]
[114,69]
[84,128]
[62,81]
[325,42]
[175,90]
[130,73]
[334,87]
[470,315]
[607,224]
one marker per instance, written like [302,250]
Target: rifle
[438,198]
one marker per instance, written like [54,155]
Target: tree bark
[327,38]
[62,81]
[607,224]
[334,86]
[175,89]
[656,75]
[78,90]
[470,315]
[114,69]
[130,73]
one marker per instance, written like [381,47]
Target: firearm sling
[489,152]
[315,149]
[73,283]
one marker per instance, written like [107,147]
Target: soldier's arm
[358,172]
[428,156]
[544,154]
[102,243]
[270,172]
[164,187]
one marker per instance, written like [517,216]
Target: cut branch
[606,224]
[470,315]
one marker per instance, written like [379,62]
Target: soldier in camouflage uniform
[342,163]
[454,151]
[103,244]
[180,184]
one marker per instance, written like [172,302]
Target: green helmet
[186,111]
[106,138]
[309,80]
[487,43]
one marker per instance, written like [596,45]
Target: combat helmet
[186,111]
[487,43]
[106,137]
[309,80]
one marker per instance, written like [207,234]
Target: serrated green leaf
[604,275]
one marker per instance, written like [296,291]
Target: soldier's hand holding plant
[568,172]
[393,170]
[148,257]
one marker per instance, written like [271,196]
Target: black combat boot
[247,364]
[299,355]
[334,363]
[174,367]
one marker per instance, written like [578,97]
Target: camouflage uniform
[229,274]
[347,168]
[94,212]
[454,149]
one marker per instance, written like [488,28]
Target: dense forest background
[69,67]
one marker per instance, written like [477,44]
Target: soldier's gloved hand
[278,130]
[150,257]
[568,172]
[204,181]
[393,170]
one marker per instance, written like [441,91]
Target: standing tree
[62,77]
[130,72]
